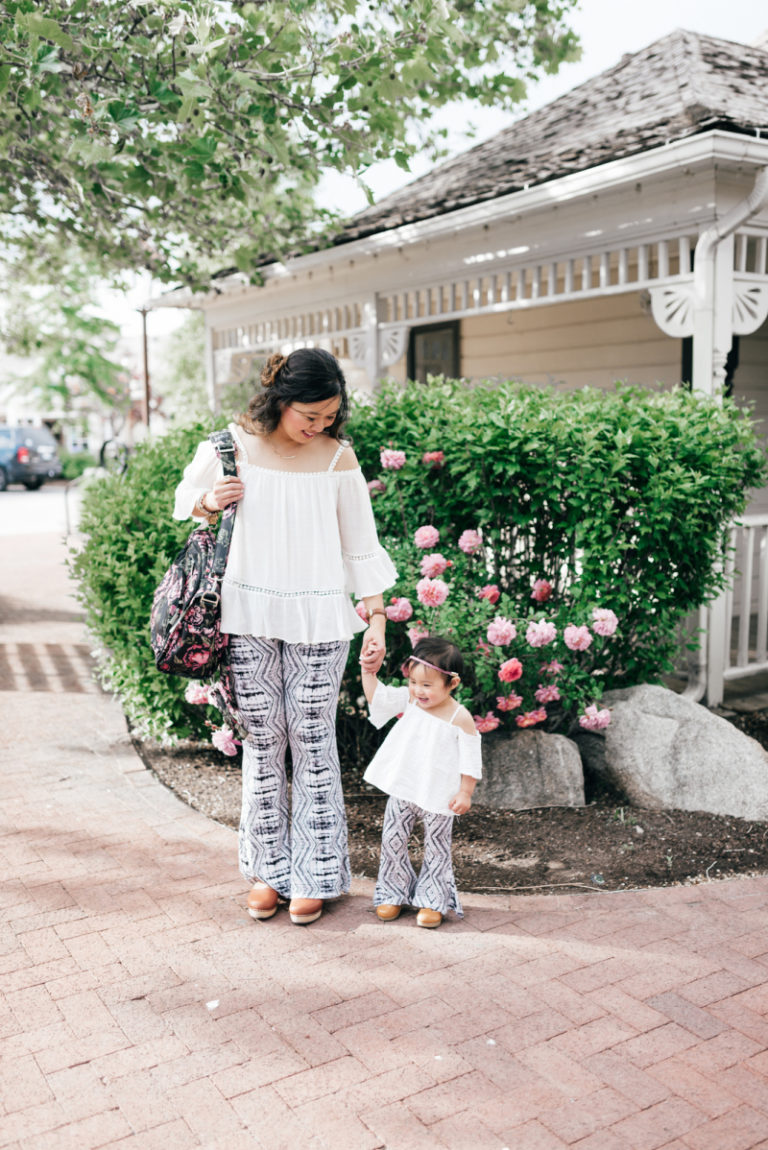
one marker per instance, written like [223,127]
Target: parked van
[28,455]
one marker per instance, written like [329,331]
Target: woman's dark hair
[307,375]
[441,653]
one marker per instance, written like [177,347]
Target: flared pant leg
[398,883]
[288,692]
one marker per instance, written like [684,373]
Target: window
[434,350]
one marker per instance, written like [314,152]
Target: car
[28,455]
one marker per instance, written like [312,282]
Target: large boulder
[666,752]
[526,769]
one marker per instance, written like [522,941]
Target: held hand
[460,803]
[372,653]
[228,490]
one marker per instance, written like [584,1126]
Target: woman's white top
[302,542]
[422,758]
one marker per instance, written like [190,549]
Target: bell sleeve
[367,566]
[199,477]
[386,703]
[470,754]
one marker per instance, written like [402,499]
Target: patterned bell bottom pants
[398,884]
[287,693]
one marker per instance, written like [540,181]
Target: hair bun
[272,368]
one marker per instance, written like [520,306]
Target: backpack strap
[224,446]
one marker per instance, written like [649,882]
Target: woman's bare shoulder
[347,460]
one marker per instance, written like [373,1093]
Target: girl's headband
[442,670]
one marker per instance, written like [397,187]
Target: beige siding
[583,342]
[750,385]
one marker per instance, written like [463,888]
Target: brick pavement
[140,1007]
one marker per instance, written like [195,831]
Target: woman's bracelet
[376,611]
[210,516]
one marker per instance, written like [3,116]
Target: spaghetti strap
[342,447]
[455,713]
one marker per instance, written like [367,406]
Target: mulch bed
[606,845]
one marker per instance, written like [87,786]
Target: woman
[304,538]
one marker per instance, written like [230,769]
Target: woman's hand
[373,650]
[229,489]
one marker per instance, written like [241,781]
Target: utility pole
[145,359]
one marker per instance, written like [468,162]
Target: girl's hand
[229,489]
[373,651]
[460,803]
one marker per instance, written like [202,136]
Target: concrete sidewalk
[140,1007]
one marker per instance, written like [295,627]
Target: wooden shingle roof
[679,86]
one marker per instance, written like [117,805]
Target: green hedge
[619,500]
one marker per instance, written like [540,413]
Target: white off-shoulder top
[301,544]
[422,758]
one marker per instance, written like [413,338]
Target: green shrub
[618,500]
[74,463]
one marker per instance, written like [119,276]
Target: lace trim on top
[284,594]
[245,462]
[361,558]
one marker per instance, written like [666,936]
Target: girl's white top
[422,758]
[302,542]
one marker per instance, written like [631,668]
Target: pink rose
[361,610]
[489,592]
[486,723]
[426,537]
[225,741]
[470,542]
[548,693]
[432,592]
[594,720]
[399,611]
[392,460]
[553,668]
[196,693]
[376,487]
[542,590]
[510,671]
[434,565]
[501,631]
[508,702]
[577,638]
[604,622]
[434,459]
[483,647]
[531,718]
[541,633]
[415,635]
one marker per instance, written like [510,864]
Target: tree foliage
[183,135]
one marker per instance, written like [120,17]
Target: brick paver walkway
[140,1007]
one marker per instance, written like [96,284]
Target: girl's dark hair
[441,653]
[307,375]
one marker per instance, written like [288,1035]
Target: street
[52,509]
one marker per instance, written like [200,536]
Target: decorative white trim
[358,347]
[672,307]
[393,343]
[750,304]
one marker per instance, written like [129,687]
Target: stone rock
[666,752]
[528,769]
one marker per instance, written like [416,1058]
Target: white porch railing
[746,601]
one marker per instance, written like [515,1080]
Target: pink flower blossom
[486,723]
[508,702]
[434,565]
[489,592]
[196,693]
[594,720]
[483,647]
[501,631]
[362,611]
[399,611]
[553,668]
[548,693]
[426,537]
[541,633]
[577,638]
[604,622]
[531,718]
[415,634]
[510,671]
[434,459]
[542,590]
[470,542]
[432,592]
[376,487]
[225,741]
[392,460]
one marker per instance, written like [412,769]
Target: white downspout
[713,333]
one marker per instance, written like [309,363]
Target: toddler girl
[428,764]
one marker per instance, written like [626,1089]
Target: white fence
[746,601]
